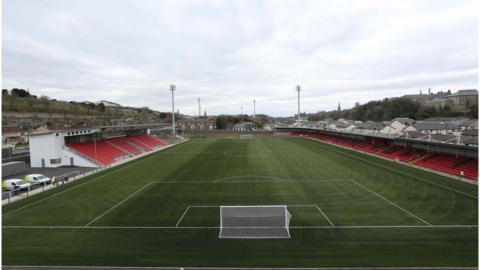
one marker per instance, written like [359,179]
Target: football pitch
[348,210]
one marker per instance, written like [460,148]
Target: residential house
[11,136]
[369,127]
[197,124]
[244,126]
[435,127]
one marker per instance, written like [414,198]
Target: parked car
[17,184]
[37,179]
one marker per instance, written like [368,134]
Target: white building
[48,150]
[397,126]
[435,127]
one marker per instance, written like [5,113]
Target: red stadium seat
[439,162]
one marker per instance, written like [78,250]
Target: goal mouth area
[254,222]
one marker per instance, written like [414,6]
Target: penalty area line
[392,203]
[116,205]
[180,220]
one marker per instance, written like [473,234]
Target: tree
[220,122]
[20,92]
[101,107]
[473,112]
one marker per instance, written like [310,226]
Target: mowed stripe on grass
[156,192]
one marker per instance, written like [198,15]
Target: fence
[12,196]
[15,195]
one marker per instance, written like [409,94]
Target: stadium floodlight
[254,110]
[254,221]
[172,88]
[199,109]
[298,89]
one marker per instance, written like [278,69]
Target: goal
[256,221]
[246,136]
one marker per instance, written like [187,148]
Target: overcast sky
[230,52]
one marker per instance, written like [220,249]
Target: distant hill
[22,109]
[389,108]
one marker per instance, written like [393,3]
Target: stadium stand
[100,151]
[110,150]
[126,144]
[150,140]
[446,163]
[440,162]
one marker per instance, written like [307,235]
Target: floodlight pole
[254,112]
[241,110]
[298,89]
[199,109]
[172,88]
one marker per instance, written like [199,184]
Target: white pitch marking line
[392,203]
[251,176]
[395,170]
[245,181]
[236,268]
[115,170]
[217,227]
[256,205]
[119,203]
[184,213]
[325,216]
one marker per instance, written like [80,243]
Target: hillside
[389,108]
[21,109]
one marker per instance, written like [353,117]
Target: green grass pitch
[348,210]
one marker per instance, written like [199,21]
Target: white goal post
[246,136]
[254,221]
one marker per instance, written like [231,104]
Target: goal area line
[287,205]
[218,227]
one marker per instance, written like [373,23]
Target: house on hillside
[470,124]
[435,127]
[244,126]
[369,127]
[465,98]
[438,102]
[197,124]
[397,125]
[12,135]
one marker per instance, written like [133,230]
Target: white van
[37,179]
[19,184]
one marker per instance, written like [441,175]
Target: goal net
[258,221]
[246,136]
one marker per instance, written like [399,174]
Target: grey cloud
[231,52]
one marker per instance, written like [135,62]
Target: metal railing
[15,195]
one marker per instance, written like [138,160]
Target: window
[55,161]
